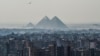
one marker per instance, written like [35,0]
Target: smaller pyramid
[30,25]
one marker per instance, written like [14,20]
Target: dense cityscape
[50,38]
[55,43]
[49,27]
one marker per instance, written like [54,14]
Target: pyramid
[30,25]
[55,23]
[43,23]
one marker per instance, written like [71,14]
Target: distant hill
[55,23]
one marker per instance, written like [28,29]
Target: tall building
[69,51]
[92,48]
[52,49]
[59,49]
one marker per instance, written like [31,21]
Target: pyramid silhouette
[30,25]
[43,23]
[55,23]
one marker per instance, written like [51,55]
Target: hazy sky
[69,11]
